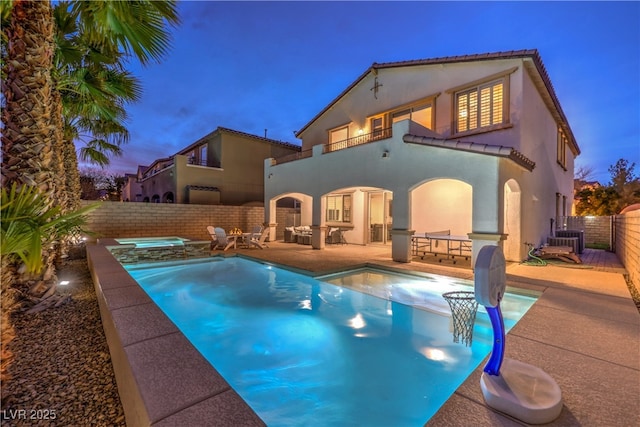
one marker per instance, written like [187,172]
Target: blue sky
[252,66]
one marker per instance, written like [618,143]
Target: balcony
[295,156]
[157,169]
[339,145]
[358,140]
[193,161]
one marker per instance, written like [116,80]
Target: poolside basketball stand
[523,391]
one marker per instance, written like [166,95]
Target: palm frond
[29,222]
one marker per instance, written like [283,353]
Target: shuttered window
[562,148]
[339,208]
[339,134]
[480,106]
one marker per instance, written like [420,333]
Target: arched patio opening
[300,214]
[442,204]
[167,197]
[363,214]
[513,248]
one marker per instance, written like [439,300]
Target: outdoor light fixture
[64,282]
[385,154]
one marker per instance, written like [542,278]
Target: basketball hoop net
[463,313]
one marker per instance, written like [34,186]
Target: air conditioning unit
[573,233]
[572,242]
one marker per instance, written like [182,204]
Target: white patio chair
[222,241]
[260,240]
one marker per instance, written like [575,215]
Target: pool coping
[598,379]
[162,379]
[148,350]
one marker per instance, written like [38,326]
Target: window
[339,134]
[480,106]
[203,155]
[419,114]
[377,125]
[339,208]
[562,148]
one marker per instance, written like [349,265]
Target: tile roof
[221,129]
[532,54]
[473,147]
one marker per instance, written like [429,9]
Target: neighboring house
[478,145]
[131,190]
[224,167]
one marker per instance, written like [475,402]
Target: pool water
[306,352]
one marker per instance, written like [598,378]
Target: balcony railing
[295,156]
[340,145]
[202,162]
[358,140]
[157,170]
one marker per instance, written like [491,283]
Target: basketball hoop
[463,313]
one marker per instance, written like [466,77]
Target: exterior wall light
[385,154]
[64,282]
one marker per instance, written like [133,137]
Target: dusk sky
[252,66]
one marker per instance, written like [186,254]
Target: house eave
[473,147]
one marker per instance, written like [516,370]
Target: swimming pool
[303,351]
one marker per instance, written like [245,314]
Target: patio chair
[256,231]
[222,241]
[333,236]
[212,234]
[260,240]
[289,235]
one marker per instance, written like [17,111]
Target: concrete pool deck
[584,331]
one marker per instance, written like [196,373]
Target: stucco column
[487,206]
[487,214]
[483,239]
[272,231]
[400,233]
[318,236]
[318,228]
[401,245]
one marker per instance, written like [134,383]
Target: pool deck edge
[584,331]
[162,379]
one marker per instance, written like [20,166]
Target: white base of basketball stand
[523,391]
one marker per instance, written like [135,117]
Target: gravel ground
[635,293]
[62,373]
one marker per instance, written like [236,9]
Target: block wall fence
[597,229]
[627,229]
[121,219]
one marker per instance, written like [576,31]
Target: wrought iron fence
[295,156]
[358,140]
[340,145]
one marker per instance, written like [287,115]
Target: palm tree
[28,155]
[36,151]
[94,89]
[111,32]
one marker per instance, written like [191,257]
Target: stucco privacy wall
[628,244]
[118,219]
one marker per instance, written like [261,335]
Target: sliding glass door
[380,217]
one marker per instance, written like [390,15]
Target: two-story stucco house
[223,167]
[478,145]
